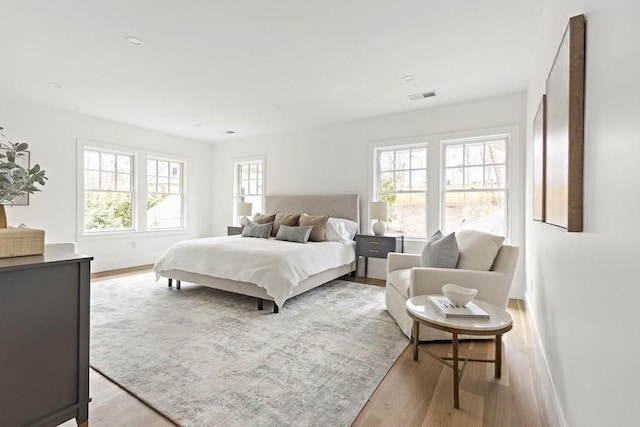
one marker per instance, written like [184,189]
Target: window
[164,194]
[475,188]
[121,189]
[401,180]
[108,191]
[447,182]
[249,184]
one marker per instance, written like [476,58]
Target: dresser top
[51,255]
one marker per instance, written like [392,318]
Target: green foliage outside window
[112,210]
[386,187]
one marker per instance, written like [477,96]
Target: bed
[231,263]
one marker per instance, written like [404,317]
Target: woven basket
[21,242]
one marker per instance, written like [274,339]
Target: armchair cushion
[400,279]
[477,249]
[440,251]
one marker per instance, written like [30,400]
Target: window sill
[128,234]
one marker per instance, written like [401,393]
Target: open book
[449,309]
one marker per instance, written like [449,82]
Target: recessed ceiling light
[134,41]
[230,132]
[407,78]
[279,107]
[55,85]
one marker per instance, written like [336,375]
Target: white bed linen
[275,265]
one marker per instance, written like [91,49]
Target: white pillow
[477,249]
[340,230]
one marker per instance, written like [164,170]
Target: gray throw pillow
[299,234]
[251,229]
[440,252]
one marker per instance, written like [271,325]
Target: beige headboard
[335,205]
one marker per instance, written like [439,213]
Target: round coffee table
[499,322]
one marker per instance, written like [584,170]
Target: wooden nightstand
[233,230]
[369,245]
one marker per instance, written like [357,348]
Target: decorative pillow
[340,230]
[477,249]
[292,220]
[319,223]
[298,234]
[251,229]
[263,219]
[440,252]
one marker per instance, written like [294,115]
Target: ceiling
[209,66]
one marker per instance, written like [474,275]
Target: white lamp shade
[244,208]
[379,210]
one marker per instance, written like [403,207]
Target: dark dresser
[44,339]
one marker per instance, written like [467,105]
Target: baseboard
[122,271]
[551,401]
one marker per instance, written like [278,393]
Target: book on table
[451,310]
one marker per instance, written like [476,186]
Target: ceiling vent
[417,96]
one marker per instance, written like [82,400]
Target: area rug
[203,357]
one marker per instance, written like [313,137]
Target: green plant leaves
[16,180]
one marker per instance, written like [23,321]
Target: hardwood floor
[421,393]
[413,393]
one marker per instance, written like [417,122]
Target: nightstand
[369,245]
[233,230]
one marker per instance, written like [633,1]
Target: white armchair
[405,279]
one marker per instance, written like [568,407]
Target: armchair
[405,279]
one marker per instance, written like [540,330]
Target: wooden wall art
[539,151]
[565,130]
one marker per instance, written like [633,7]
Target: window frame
[162,158]
[241,161]
[139,189]
[134,194]
[474,140]
[435,175]
[378,172]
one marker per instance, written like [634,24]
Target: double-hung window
[108,191]
[164,194]
[401,180]
[249,183]
[436,182]
[124,190]
[475,185]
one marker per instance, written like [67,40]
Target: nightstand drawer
[372,247]
[233,230]
[378,246]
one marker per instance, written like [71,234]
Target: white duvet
[275,265]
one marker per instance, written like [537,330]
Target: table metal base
[453,362]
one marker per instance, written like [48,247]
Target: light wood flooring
[412,393]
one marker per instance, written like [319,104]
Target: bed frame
[335,205]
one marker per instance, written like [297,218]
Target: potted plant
[16,180]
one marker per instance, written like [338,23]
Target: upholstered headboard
[335,205]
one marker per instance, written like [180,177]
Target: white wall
[335,159]
[52,134]
[585,285]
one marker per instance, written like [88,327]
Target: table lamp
[244,209]
[379,211]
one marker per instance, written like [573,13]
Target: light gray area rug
[204,357]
